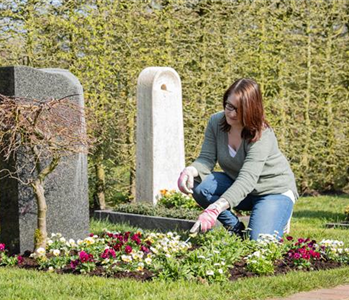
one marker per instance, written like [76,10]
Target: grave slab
[66,188]
[160,134]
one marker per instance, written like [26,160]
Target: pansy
[41,251]
[148,260]
[89,240]
[126,258]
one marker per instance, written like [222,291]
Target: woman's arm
[208,155]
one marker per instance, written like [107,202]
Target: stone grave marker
[160,135]
[66,188]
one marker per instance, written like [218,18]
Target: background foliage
[297,50]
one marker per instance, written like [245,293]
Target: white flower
[49,242]
[154,250]
[168,255]
[126,258]
[217,264]
[148,260]
[216,251]
[59,235]
[209,273]
[71,242]
[79,242]
[201,256]
[140,266]
[89,240]
[257,254]
[62,240]
[51,269]
[56,252]
[220,271]
[41,251]
[53,235]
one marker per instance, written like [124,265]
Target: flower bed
[212,257]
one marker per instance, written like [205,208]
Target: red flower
[117,246]
[19,259]
[2,247]
[289,238]
[306,256]
[108,253]
[136,239]
[145,249]
[128,249]
[296,256]
[85,257]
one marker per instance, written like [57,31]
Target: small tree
[39,134]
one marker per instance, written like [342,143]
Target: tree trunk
[100,185]
[41,231]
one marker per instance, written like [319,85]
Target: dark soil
[281,267]
[238,272]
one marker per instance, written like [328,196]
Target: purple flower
[74,263]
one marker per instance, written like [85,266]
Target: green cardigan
[258,168]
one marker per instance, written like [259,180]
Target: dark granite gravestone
[66,188]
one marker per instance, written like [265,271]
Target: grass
[309,218]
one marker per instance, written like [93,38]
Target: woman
[256,177]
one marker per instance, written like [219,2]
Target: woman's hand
[186,180]
[208,218]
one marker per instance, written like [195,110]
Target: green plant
[158,210]
[174,199]
[346,213]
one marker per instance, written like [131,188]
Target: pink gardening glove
[186,180]
[206,220]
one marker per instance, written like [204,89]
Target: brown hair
[250,109]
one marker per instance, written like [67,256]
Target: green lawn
[309,219]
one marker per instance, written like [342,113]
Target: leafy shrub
[173,199]
[159,210]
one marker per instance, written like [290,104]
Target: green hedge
[297,50]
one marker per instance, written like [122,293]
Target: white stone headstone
[160,135]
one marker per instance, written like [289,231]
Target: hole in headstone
[164,87]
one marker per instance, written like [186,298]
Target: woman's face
[231,112]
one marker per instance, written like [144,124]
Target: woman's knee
[270,215]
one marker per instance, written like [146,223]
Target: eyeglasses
[230,107]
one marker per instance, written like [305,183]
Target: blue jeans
[269,213]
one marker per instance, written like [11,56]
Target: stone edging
[148,222]
[337,225]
